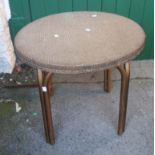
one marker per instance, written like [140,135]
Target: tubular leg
[125,77]
[108,80]
[44,81]
[50,86]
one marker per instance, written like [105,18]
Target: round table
[79,42]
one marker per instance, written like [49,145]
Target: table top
[78,42]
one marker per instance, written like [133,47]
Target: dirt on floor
[24,76]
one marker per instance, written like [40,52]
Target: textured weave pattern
[78,42]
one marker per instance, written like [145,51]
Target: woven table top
[78,42]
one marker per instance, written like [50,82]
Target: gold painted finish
[125,77]
[44,80]
[108,80]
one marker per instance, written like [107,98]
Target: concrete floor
[85,117]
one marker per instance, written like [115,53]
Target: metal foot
[44,80]
[125,77]
[108,80]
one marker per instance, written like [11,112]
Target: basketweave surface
[79,42]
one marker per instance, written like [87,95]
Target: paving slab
[85,119]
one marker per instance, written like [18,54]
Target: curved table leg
[125,77]
[44,80]
[108,80]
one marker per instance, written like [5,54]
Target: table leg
[108,80]
[50,86]
[125,77]
[44,82]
